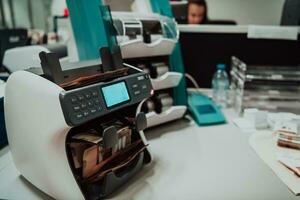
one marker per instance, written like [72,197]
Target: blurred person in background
[197,12]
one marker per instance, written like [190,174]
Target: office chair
[179,10]
[291,13]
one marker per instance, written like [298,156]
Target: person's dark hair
[200,3]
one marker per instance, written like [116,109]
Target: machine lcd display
[115,94]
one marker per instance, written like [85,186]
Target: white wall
[58,7]
[264,12]
[41,12]
[116,5]
[7,13]
[261,12]
[22,16]
[21,13]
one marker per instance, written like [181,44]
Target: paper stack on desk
[288,134]
[291,161]
[279,159]
[288,139]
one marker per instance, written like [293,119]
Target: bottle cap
[221,66]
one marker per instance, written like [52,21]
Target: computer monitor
[201,51]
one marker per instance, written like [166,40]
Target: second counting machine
[77,133]
[147,41]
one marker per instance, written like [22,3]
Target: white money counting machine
[77,133]
[147,41]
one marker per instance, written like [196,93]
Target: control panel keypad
[85,105]
[140,86]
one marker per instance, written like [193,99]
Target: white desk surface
[192,28]
[191,162]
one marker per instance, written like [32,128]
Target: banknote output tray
[93,106]
[114,179]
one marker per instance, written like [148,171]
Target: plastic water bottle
[220,85]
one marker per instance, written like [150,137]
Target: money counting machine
[77,133]
[147,41]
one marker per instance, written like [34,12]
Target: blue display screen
[115,94]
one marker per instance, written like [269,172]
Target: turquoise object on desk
[92,27]
[204,111]
[163,7]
